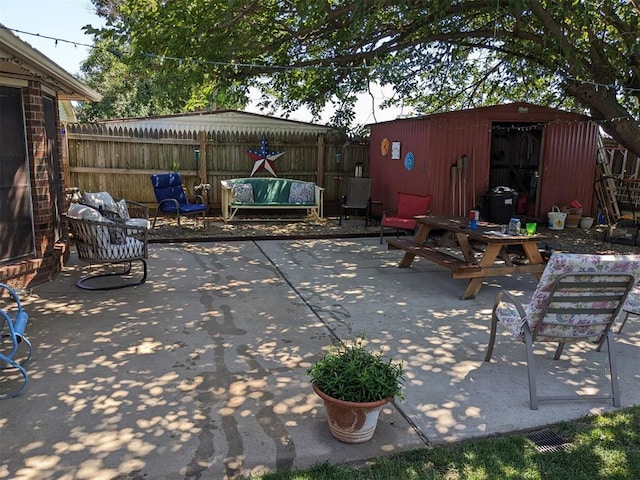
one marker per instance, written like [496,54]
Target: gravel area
[576,240]
[274,227]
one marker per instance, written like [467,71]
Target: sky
[64,19]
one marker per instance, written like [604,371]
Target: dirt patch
[576,240]
[254,228]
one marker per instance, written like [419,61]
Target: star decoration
[263,158]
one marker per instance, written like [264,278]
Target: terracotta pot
[351,422]
[573,220]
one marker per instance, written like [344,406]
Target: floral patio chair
[577,298]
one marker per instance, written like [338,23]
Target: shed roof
[20,60]
[220,121]
[526,112]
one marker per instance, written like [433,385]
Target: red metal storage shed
[547,156]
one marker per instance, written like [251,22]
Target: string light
[440,123]
[597,85]
[181,60]
[56,40]
[538,126]
[236,65]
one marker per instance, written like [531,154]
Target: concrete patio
[200,372]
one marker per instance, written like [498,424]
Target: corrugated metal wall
[438,141]
[568,169]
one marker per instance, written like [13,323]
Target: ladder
[605,187]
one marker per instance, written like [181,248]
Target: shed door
[16,220]
[516,161]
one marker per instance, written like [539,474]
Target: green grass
[602,447]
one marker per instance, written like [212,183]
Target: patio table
[492,260]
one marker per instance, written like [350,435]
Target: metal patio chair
[577,299]
[172,199]
[13,322]
[358,197]
[631,307]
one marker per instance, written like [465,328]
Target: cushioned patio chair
[358,197]
[172,199]
[401,218]
[114,244]
[577,299]
[130,213]
[13,322]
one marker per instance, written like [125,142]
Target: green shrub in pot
[353,373]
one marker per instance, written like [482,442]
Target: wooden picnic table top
[485,232]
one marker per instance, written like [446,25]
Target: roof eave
[71,87]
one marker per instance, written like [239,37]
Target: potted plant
[355,383]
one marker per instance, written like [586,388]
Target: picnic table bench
[459,267]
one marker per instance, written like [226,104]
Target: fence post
[202,173]
[320,164]
[66,168]
[202,166]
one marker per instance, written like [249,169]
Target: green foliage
[353,373]
[437,55]
[134,85]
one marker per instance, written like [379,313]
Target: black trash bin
[500,205]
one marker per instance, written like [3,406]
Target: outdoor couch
[270,193]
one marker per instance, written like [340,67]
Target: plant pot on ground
[355,383]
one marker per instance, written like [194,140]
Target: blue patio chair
[172,198]
[13,322]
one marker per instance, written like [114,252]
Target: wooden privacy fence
[120,160]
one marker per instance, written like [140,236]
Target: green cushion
[275,204]
[271,191]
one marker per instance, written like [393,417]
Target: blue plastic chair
[12,326]
[172,198]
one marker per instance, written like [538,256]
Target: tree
[137,88]
[581,55]
[125,91]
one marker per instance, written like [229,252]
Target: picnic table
[474,264]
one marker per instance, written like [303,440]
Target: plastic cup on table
[531,228]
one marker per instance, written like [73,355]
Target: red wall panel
[438,141]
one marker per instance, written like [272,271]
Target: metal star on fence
[263,158]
